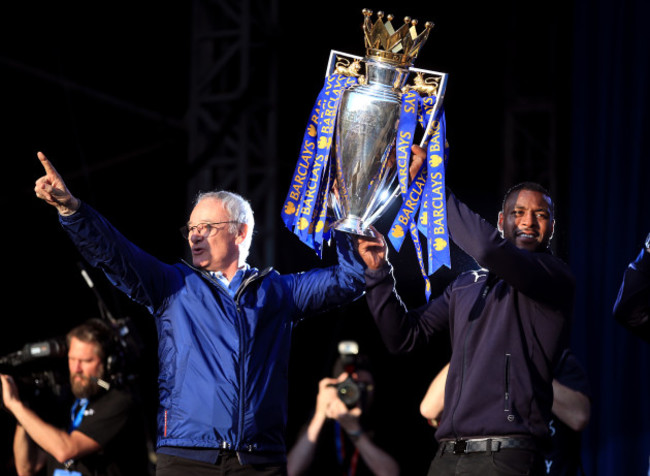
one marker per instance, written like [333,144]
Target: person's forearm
[570,406]
[52,440]
[27,456]
[302,453]
[389,312]
[402,330]
[379,462]
[432,404]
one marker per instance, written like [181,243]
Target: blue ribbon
[410,205]
[405,135]
[303,166]
[423,206]
[305,208]
[418,250]
[435,196]
[77,413]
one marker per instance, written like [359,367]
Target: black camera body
[42,377]
[350,391]
[40,373]
[37,368]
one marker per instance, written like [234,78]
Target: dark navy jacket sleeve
[142,277]
[632,307]
[539,275]
[403,330]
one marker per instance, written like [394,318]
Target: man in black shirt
[103,434]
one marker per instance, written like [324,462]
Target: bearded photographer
[102,438]
[339,438]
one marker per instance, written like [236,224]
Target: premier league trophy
[356,149]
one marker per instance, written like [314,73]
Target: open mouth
[526,236]
[527,240]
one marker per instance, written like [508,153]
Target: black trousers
[506,462]
[226,465]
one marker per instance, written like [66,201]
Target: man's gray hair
[238,210]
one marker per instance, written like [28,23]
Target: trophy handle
[439,92]
[332,63]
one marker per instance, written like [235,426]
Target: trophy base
[354,226]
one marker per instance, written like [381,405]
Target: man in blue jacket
[508,324]
[224,328]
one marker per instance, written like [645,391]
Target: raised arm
[136,273]
[538,274]
[402,330]
[61,445]
[324,288]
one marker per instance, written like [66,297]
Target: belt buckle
[459,447]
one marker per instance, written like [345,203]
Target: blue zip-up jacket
[223,361]
[508,328]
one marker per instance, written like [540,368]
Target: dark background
[102,89]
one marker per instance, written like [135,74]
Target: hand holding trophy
[369,114]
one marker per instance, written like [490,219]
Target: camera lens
[349,392]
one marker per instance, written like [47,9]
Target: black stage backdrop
[103,90]
[609,220]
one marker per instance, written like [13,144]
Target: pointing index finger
[47,165]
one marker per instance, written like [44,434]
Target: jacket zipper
[506,394]
[242,374]
[242,349]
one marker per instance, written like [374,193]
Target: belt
[481,445]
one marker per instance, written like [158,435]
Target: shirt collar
[236,280]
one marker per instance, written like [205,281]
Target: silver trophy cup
[368,118]
[365,132]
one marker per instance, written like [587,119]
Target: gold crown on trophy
[384,43]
